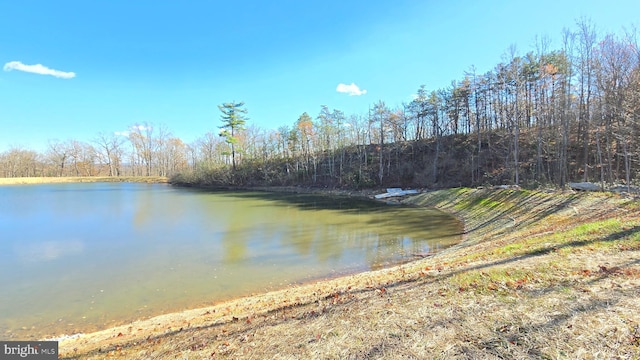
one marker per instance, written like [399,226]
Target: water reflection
[48,250]
[350,228]
[85,256]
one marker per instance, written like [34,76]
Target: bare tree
[109,151]
[586,35]
[18,162]
[142,141]
[58,154]
[380,116]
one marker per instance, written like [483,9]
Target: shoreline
[49,333]
[365,193]
[82,179]
[354,314]
[533,230]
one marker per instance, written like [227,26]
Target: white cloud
[136,129]
[352,90]
[38,69]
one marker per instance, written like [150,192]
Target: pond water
[86,256]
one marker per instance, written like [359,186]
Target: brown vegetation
[76,179]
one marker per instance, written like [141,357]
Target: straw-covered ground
[539,275]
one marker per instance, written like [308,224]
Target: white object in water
[391,192]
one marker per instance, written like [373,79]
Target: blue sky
[106,65]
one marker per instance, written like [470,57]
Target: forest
[543,118]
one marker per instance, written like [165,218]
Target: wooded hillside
[545,117]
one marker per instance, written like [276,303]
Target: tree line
[143,150]
[547,116]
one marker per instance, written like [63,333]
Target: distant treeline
[543,118]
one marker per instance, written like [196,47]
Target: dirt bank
[552,275]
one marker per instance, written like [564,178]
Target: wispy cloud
[133,128]
[352,90]
[140,127]
[38,69]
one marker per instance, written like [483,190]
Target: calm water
[81,257]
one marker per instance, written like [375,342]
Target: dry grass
[538,276]
[76,179]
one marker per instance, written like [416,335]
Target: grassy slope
[538,276]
